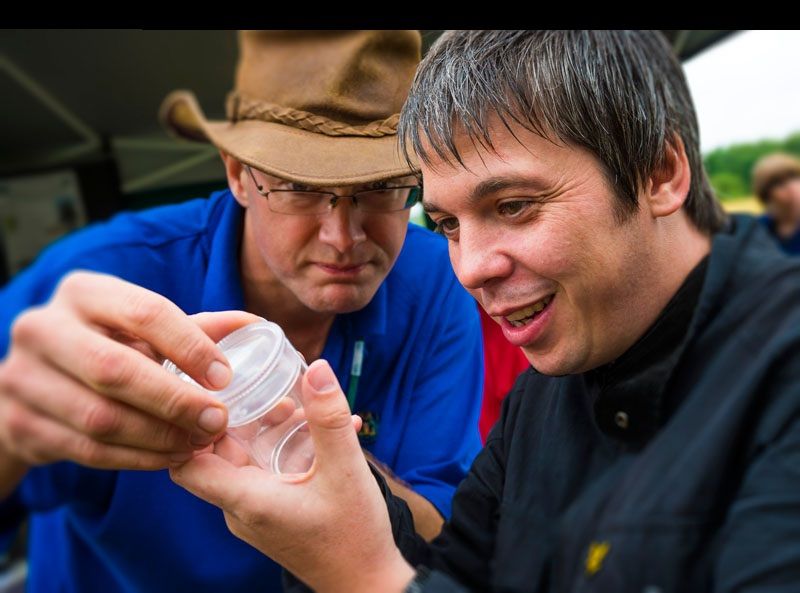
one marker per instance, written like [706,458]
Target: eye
[299,187]
[513,208]
[447,227]
[378,185]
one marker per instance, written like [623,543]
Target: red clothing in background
[502,363]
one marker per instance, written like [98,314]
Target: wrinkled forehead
[512,154]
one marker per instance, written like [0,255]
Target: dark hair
[621,95]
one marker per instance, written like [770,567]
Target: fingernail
[212,420]
[218,375]
[321,377]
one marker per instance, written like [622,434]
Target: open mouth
[523,317]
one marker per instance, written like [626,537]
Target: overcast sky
[747,87]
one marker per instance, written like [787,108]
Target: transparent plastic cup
[265,411]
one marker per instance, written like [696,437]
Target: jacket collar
[631,401]
[629,404]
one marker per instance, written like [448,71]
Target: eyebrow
[411,179]
[494,185]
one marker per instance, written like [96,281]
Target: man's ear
[668,186]
[235,173]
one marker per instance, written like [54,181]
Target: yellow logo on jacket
[595,556]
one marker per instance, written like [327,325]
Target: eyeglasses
[379,200]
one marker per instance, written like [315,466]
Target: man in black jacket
[655,444]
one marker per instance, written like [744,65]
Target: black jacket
[674,469]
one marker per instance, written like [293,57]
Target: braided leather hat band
[239,107]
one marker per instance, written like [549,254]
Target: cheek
[388,233]
[282,242]
[551,251]
[588,261]
[589,242]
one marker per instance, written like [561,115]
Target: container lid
[262,375]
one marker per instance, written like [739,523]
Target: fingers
[329,418]
[83,377]
[37,439]
[48,392]
[232,451]
[113,303]
[219,482]
[128,376]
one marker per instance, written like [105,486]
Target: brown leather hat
[315,107]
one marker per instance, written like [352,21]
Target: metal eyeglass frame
[413,197]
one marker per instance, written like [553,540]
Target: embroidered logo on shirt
[595,556]
[369,428]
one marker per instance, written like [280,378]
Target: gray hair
[622,95]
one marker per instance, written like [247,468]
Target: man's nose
[342,228]
[479,259]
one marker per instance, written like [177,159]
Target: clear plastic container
[265,411]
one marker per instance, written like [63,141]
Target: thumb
[328,416]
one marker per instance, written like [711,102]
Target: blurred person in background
[311,233]
[776,182]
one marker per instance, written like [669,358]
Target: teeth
[516,318]
[522,313]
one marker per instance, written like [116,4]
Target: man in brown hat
[776,182]
[313,234]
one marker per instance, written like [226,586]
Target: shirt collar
[222,290]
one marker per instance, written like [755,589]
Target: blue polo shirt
[420,387]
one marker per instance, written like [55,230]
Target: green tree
[728,185]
